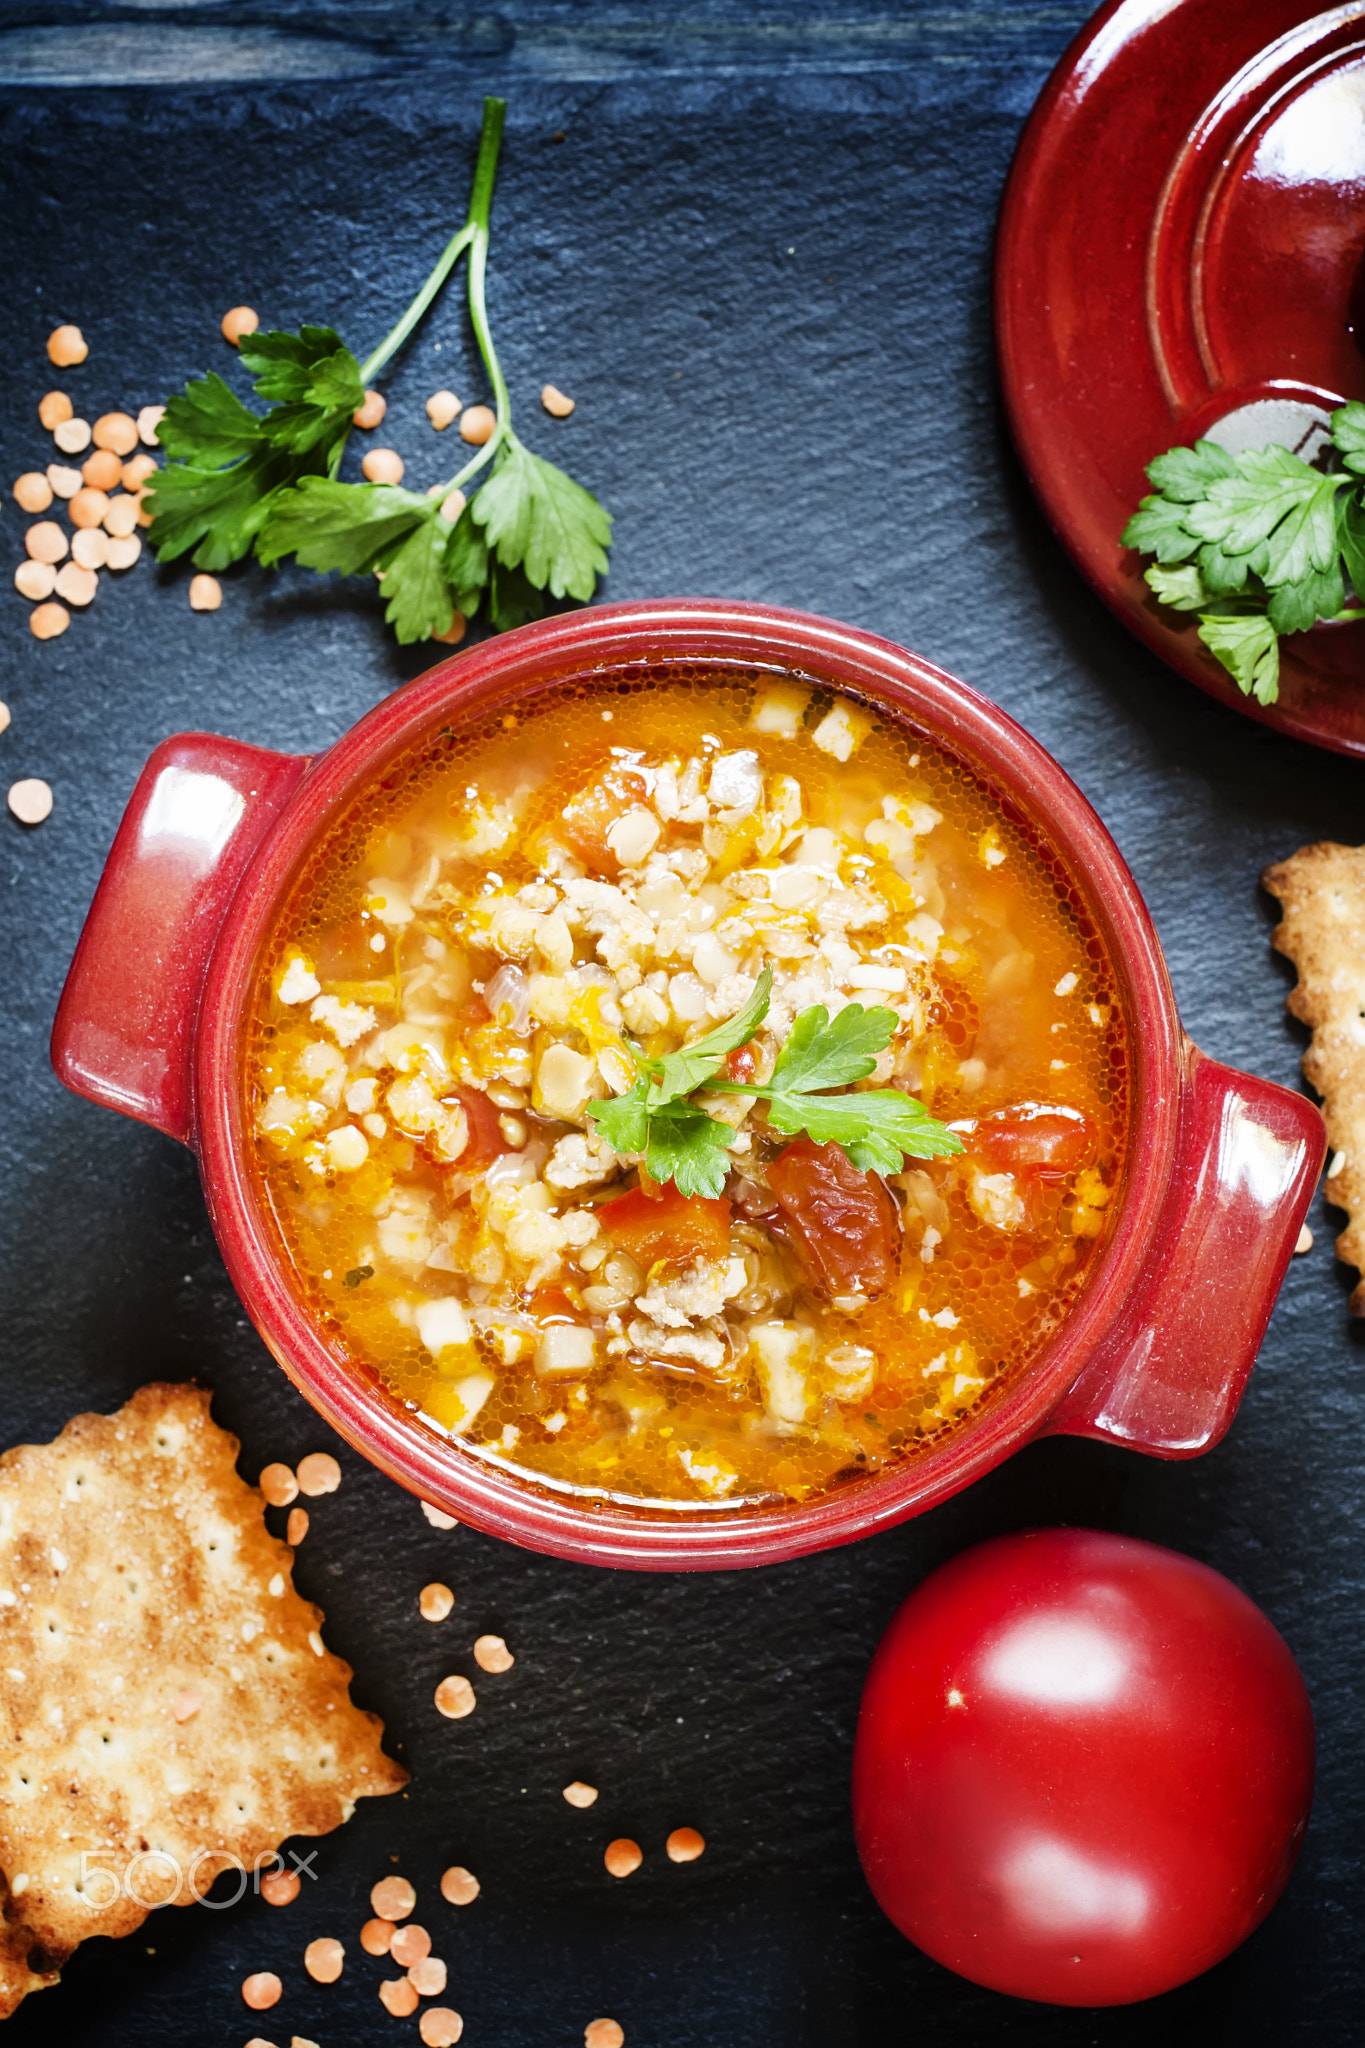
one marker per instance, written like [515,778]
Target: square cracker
[136,1571]
[1322,891]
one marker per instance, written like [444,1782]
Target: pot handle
[1168,1378]
[124,1031]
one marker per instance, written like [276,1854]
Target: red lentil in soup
[466,965]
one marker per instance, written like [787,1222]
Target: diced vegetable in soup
[807,1249]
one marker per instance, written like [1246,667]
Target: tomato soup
[477,953]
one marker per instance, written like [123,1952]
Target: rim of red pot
[601,644]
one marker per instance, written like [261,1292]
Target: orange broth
[465,963]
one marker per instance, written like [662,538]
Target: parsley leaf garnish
[1257,544]
[878,1128]
[239,480]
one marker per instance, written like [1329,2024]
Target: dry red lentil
[323,1960]
[455,1698]
[375,1937]
[409,1945]
[278,1484]
[318,1473]
[393,1898]
[435,1601]
[459,1887]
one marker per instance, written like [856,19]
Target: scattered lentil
[262,1990]
[375,1937]
[206,593]
[555,403]
[492,1654]
[237,321]
[442,408]
[428,1977]
[454,632]
[398,1997]
[684,1845]
[318,1473]
[435,1601]
[372,411]
[123,552]
[90,547]
[102,470]
[4,717]
[1305,1241]
[35,580]
[393,1898]
[66,347]
[440,2027]
[281,1888]
[116,431]
[459,1887]
[47,621]
[297,1527]
[76,585]
[148,420]
[477,424]
[455,1698]
[120,517]
[438,1517]
[579,1794]
[32,491]
[323,1960]
[31,799]
[383,466]
[72,436]
[88,507]
[279,1485]
[604,2034]
[136,471]
[623,1856]
[45,542]
[53,408]
[65,482]
[408,1945]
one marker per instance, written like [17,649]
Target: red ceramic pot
[1155,1353]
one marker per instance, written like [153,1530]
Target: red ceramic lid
[1180,250]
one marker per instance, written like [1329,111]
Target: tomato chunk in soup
[843,1222]
[476,955]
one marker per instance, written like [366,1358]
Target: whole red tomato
[1083,1767]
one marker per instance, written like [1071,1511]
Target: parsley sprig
[1257,544]
[239,480]
[877,1127]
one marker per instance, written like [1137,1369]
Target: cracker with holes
[168,1709]
[1322,891]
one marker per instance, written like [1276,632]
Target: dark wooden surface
[759,259]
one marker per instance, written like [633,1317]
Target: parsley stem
[473,235]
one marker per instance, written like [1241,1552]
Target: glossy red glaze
[1083,1767]
[1156,1352]
[1182,236]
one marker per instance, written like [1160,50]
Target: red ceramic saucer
[1182,252]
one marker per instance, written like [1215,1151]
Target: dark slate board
[759,259]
